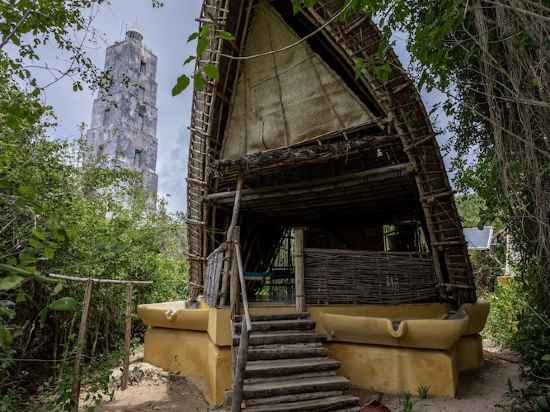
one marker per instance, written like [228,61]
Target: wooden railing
[246,327]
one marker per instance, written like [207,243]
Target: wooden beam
[313,185]
[299,269]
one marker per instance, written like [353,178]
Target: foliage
[514,322]
[535,397]
[63,214]
[63,211]
[423,391]
[407,403]
[29,25]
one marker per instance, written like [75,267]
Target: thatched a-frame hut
[320,200]
[347,158]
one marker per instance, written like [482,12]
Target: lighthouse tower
[124,117]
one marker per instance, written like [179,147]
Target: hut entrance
[271,280]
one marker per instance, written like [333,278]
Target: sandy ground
[480,391]
[151,389]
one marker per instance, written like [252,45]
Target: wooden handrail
[246,327]
[243,284]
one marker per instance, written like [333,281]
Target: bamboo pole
[229,238]
[111,281]
[238,378]
[75,392]
[234,276]
[299,269]
[127,338]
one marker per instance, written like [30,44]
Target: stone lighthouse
[124,117]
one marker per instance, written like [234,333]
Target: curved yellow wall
[425,349]
[192,354]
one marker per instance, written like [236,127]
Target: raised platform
[386,348]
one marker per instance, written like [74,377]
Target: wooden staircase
[288,368]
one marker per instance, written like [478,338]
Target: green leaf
[225,35]
[211,71]
[546,358]
[6,339]
[383,72]
[58,288]
[181,84]
[6,312]
[11,282]
[193,36]
[66,304]
[359,67]
[189,60]
[25,190]
[205,31]
[202,45]
[13,269]
[199,81]
[49,253]
[38,234]
[21,297]
[296,6]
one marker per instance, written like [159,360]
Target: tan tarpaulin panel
[287,97]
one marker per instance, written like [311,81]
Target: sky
[165,32]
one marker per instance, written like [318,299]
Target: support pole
[234,275]
[75,392]
[229,238]
[299,269]
[127,338]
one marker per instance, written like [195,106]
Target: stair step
[292,398]
[267,338]
[290,351]
[285,324]
[284,378]
[281,367]
[314,405]
[286,316]
[291,386]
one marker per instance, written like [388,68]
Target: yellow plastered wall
[192,354]
[470,352]
[397,370]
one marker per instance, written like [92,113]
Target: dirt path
[480,391]
[152,389]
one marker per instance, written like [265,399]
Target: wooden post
[75,393]
[127,338]
[229,238]
[238,377]
[234,275]
[299,269]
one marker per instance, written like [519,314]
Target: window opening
[138,158]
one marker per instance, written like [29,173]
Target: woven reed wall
[342,276]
